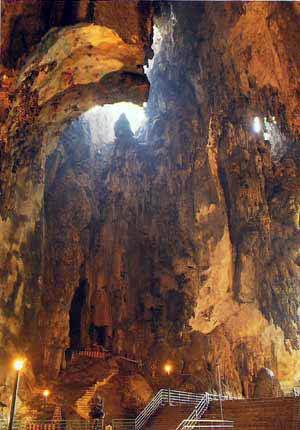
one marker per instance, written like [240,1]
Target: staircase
[258,414]
[83,403]
[168,417]
[175,410]
[168,409]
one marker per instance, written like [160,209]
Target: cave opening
[76,316]
[91,134]
[101,120]
[99,336]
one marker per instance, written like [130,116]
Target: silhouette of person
[97,412]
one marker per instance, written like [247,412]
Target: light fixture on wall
[257,127]
[168,368]
[46,394]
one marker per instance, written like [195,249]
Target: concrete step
[168,417]
[253,414]
[258,414]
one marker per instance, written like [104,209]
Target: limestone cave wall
[180,243]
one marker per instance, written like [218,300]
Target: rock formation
[179,243]
[266,385]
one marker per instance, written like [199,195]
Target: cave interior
[149,201]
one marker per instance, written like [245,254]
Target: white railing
[215,397]
[173,398]
[30,424]
[123,424]
[210,424]
[164,397]
[296,392]
[197,413]
[149,410]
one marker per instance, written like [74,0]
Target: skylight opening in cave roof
[102,119]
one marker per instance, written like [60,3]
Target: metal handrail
[296,392]
[146,413]
[180,397]
[197,413]
[166,396]
[32,424]
[173,397]
[201,408]
[27,421]
[212,424]
[124,419]
[214,397]
[162,397]
[35,420]
[127,423]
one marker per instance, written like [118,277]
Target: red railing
[98,355]
[41,426]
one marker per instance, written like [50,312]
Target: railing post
[220,389]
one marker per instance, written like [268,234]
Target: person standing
[97,412]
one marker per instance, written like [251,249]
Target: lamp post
[46,394]
[18,366]
[168,370]
[220,388]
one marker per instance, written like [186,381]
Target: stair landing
[168,417]
[258,414]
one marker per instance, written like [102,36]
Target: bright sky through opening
[134,113]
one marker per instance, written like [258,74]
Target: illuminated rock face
[43,87]
[181,243]
[247,265]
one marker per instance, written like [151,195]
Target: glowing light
[168,368]
[111,113]
[134,113]
[18,364]
[257,125]
[46,393]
